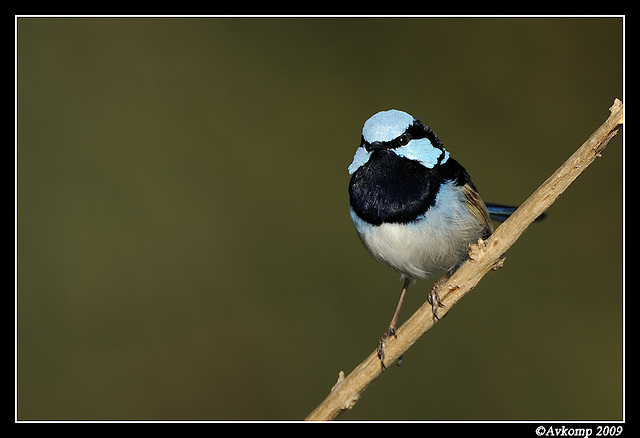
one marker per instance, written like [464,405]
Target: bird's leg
[434,297]
[391,331]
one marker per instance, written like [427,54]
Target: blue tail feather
[499,212]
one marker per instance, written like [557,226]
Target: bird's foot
[391,331]
[434,297]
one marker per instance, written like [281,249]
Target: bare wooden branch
[483,257]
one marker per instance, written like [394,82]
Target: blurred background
[184,244]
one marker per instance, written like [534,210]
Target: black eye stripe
[420,130]
[415,131]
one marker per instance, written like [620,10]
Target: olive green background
[184,244]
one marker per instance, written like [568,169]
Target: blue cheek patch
[423,151]
[359,159]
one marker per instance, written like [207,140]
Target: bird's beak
[375,145]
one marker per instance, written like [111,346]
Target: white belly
[437,241]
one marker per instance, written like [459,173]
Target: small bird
[414,207]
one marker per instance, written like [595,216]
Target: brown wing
[477,208]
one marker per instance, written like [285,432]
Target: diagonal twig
[483,257]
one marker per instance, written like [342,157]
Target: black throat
[389,188]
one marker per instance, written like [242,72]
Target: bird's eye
[404,139]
